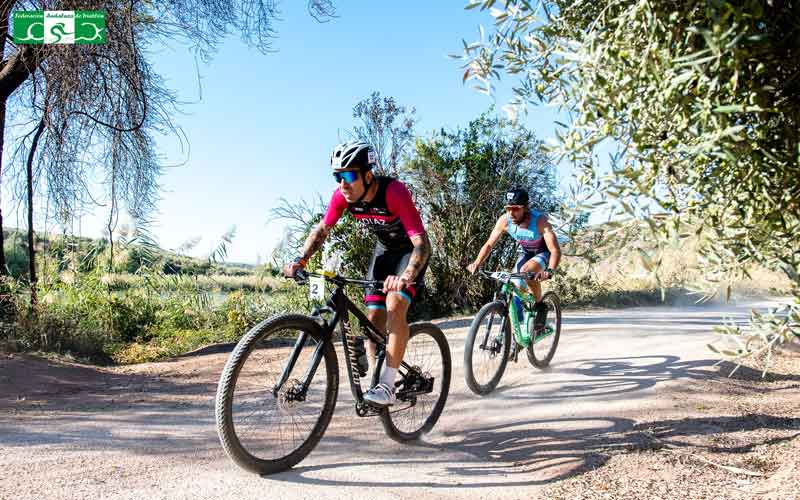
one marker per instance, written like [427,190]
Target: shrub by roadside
[84,317]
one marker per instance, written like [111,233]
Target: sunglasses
[349,176]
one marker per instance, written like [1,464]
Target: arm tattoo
[419,257]
[315,240]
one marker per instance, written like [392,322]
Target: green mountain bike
[510,316]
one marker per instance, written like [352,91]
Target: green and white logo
[59,27]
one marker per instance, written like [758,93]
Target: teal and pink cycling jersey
[391,215]
[529,238]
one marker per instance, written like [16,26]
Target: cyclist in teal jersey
[539,249]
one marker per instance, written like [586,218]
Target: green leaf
[691,57]
[683,77]
[729,108]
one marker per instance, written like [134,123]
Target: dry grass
[623,270]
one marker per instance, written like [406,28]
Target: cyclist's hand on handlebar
[472,268]
[542,276]
[395,283]
[291,268]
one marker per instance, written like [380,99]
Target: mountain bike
[279,387]
[510,316]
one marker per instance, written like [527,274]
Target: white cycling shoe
[380,395]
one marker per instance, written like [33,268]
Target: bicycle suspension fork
[290,363]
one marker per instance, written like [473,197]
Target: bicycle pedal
[375,408]
[367,410]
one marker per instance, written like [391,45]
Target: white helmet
[350,155]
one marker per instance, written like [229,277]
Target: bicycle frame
[509,290]
[341,306]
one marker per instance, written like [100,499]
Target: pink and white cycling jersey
[391,215]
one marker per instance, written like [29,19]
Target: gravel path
[632,407]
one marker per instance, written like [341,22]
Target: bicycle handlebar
[301,276]
[506,276]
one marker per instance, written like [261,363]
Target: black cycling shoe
[540,308]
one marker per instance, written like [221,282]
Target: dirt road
[630,407]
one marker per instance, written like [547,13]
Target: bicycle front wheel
[277,394]
[544,342]
[486,348]
[424,388]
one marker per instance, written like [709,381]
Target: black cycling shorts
[385,263]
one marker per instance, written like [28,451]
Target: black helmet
[350,155]
[516,196]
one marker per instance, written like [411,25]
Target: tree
[347,238]
[388,127]
[31,239]
[101,105]
[458,179]
[701,98]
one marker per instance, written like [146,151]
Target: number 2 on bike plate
[317,288]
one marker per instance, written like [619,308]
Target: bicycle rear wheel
[266,426]
[544,343]
[486,348]
[423,391]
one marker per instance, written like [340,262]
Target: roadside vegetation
[119,317]
[699,100]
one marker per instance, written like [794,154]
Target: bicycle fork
[298,393]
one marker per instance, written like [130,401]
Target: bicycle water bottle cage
[360,355]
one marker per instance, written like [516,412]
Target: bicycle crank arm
[364,409]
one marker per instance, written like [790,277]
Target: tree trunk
[31,234]
[3,269]
[13,73]
[4,15]
[112,215]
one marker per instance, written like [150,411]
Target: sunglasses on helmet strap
[349,176]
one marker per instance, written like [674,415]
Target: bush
[575,289]
[151,317]
[458,180]
[16,255]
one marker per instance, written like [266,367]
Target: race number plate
[317,288]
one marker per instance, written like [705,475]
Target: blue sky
[266,122]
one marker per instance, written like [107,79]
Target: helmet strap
[367,186]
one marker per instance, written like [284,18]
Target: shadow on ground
[536,452]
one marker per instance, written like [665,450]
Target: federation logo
[37,27]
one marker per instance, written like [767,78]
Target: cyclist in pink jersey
[384,206]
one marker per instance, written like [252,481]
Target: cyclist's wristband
[550,271]
[301,261]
